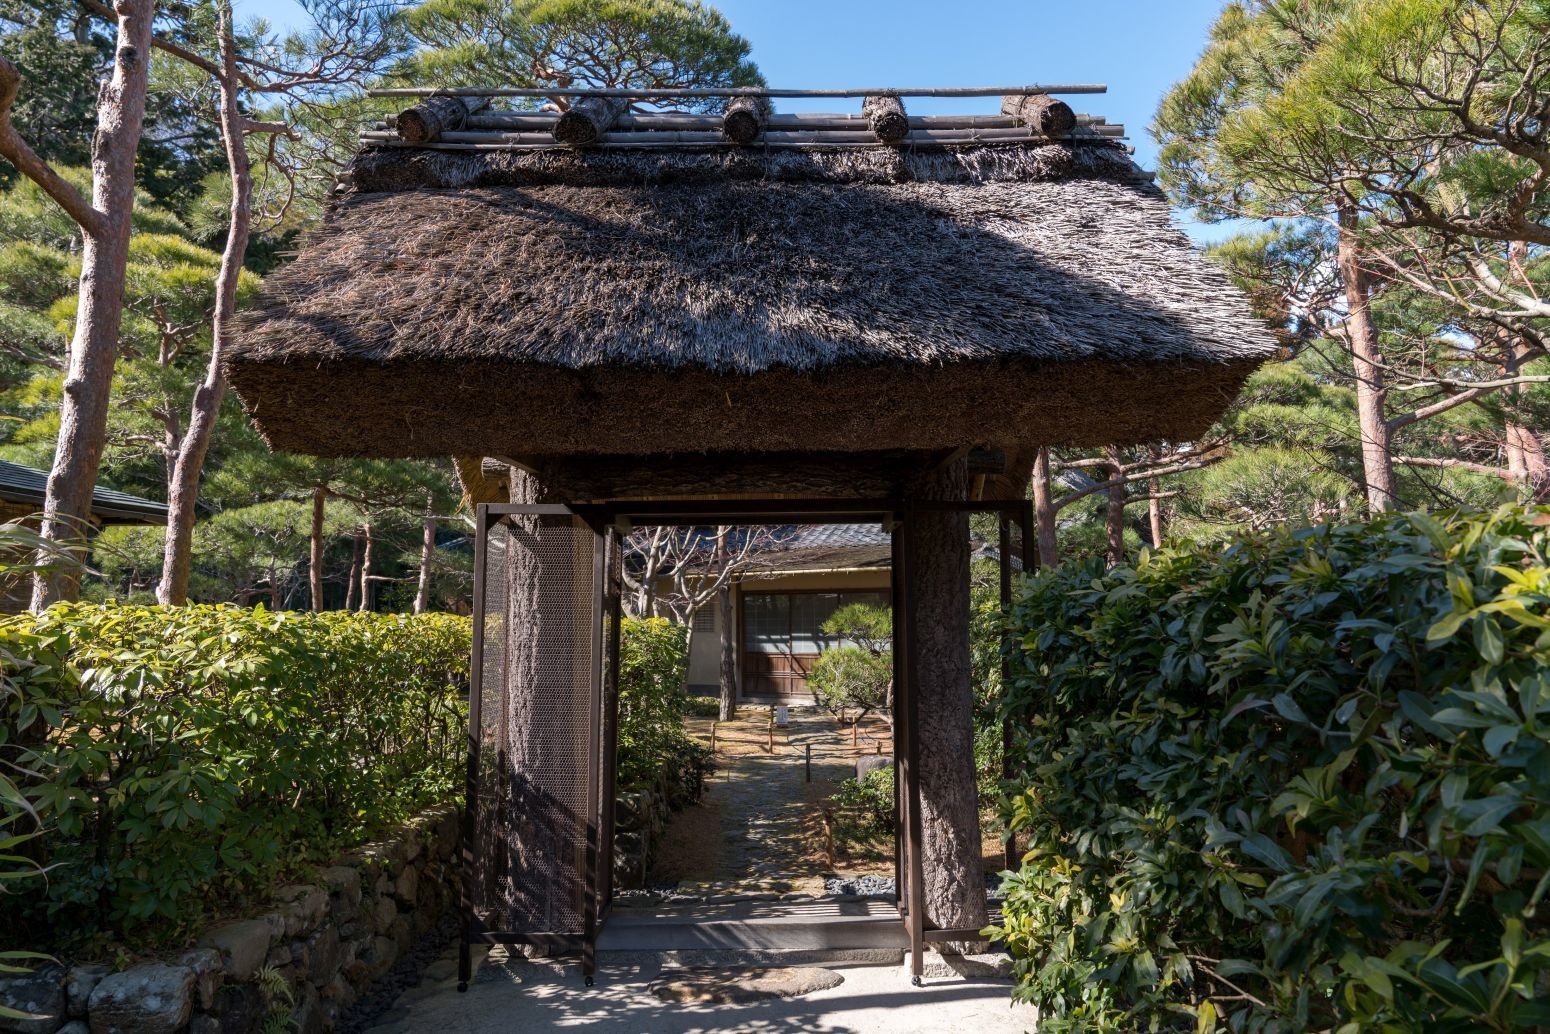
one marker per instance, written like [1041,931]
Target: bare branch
[20,154]
[1453,462]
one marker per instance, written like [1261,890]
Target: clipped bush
[1300,783]
[181,759]
[654,749]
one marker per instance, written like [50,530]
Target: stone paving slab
[539,997]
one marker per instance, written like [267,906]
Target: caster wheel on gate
[917,981]
[589,981]
[462,986]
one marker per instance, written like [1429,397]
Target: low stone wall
[297,967]
[640,818]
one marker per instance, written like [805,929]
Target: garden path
[759,828]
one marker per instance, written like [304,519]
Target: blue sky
[1138,47]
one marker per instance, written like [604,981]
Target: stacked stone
[326,943]
[640,817]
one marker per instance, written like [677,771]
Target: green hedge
[179,759]
[654,749]
[1297,784]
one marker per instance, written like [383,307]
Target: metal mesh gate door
[535,770]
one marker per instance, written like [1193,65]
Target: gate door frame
[609,523]
[604,599]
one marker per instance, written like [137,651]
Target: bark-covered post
[954,882]
[541,578]
[728,639]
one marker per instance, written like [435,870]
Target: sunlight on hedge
[1298,784]
[182,760]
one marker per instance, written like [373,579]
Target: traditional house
[22,490]
[779,604]
[746,318]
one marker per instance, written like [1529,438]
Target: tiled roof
[28,485]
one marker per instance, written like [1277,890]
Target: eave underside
[547,415]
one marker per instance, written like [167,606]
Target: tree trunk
[1044,511]
[1116,515]
[319,496]
[728,654]
[1367,360]
[276,601]
[1525,453]
[422,595]
[353,580]
[366,559]
[83,406]
[1154,502]
[183,485]
[954,883]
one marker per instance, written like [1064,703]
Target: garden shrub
[865,805]
[1300,783]
[181,759]
[654,749]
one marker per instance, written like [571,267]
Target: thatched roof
[547,301]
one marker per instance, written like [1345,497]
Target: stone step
[818,926]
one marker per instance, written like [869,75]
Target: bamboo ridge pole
[746,118]
[734,91]
[544,120]
[588,119]
[886,115]
[497,138]
[426,121]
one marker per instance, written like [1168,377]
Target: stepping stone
[739,986]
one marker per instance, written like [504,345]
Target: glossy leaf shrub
[1299,783]
[182,759]
[654,749]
